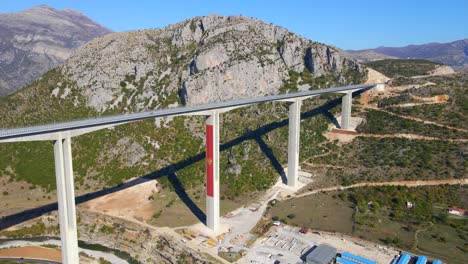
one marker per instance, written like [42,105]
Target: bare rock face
[38,39]
[442,70]
[200,60]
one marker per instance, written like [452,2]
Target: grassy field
[172,211]
[444,241]
[380,214]
[320,211]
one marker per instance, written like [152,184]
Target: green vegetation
[404,97]
[380,122]
[319,211]
[305,77]
[452,113]
[401,67]
[441,114]
[35,230]
[103,261]
[107,229]
[381,214]
[385,159]
[121,254]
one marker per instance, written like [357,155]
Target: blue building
[356,259]
[340,260]
[421,260]
[404,258]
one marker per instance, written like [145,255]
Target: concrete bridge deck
[15,133]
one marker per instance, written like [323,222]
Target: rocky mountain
[204,59]
[453,53]
[38,39]
[200,60]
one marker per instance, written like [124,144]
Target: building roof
[340,260]
[454,208]
[404,258]
[356,258]
[321,255]
[421,260]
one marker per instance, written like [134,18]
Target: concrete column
[212,171]
[66,200]
[346,110]
[293,142]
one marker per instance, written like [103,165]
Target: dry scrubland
[379,213]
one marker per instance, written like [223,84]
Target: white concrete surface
[293,142]
[66,200]
[346,110]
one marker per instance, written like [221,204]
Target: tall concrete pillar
[346,110]
[212,171]
[293,142]
[66,200]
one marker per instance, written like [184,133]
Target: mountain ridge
[453,53]
[38,39]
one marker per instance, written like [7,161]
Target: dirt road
[393,183]
[415,118]
[410,136]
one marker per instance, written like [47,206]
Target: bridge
[62,133]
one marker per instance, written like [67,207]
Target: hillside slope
[38,39]
[204,59]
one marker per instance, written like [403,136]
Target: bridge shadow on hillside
[171,170]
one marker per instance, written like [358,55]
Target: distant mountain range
[38,39]
[454,53]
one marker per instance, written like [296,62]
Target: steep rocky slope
[38,39]
[204,59]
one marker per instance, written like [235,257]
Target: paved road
[27,260]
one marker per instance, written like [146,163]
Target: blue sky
[348,24]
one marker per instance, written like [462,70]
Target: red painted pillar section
[209,160]
[212,171]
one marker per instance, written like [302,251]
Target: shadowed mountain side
[171,170]
[269,153]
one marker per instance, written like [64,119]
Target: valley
[380,187]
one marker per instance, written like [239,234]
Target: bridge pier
[212,171]
[293,142]
[346,110]
[66,199]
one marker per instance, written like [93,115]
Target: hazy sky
[348,24]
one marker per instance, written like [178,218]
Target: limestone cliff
[203,59]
